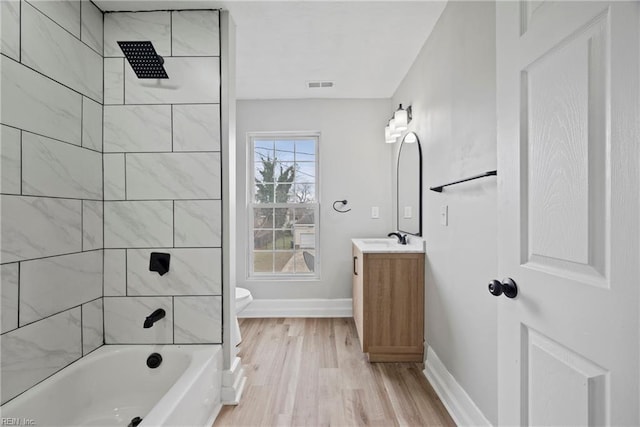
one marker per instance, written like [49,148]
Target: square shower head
[144,60]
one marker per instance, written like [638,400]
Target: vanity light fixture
[398,124]
[402,118]
[395,132]
[388,138]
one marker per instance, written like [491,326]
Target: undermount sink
[414,244]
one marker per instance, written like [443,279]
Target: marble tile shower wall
[51,233]
[162,180]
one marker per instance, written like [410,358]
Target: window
[283,205]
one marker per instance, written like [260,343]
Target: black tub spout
[154,317]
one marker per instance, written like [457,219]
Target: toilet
[243,299]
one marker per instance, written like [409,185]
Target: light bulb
[388,138]
[401,118]
[392,127]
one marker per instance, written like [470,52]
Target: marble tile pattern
[114,176]
[33,353]
[92,326]
[65,13]
[34,227]
[195,271]
[173,176]
[192,80]
[37,104]
[196,127]
[92,220]
[135,128]
[198,320]
[10,157]
[198,223]
[91,30]
[113,81]
[195,33]
[124,318]
[141,224]
[9,282]
[10,27]
[115,272]
[51,239]
[162,180]
[48,48]
[57,169]
[51,285]
[152,26]
[91,124]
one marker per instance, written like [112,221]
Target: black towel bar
[482,175]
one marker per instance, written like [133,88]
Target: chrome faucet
[154,317]
[402,239]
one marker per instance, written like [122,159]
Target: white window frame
[263,276]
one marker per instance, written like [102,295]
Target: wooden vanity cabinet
[388,305]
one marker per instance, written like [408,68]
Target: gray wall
[162,180]
[51,233]
[451,88]
[354,165]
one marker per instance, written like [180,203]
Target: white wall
[354,165]
[451,88]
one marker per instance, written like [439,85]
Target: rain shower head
[144,60]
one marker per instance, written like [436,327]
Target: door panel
[568,152]
[564,157]
[556,374]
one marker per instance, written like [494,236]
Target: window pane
[263,218]
[305,150]
[264,193]
[305,216]
[263,262]
[263,240]
[284,262]
[285,150]
[283,192]
[308,261]
[284,171]
[284,240]
[305,172]
[303,193]
[263,148]
[283,217]
[262,173]
[304,236]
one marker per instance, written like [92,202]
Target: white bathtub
[113,385]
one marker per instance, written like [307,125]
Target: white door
[568,156]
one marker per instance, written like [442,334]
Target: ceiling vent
[317,84]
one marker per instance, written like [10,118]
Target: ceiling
[364,47]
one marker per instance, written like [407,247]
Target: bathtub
[113,385]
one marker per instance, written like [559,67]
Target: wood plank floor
[311,372]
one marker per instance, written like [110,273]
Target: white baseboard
[299,308]
[233,382]
[460,406]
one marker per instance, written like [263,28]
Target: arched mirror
[409,194]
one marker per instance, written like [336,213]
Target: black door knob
[507,287]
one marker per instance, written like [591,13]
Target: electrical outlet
[407,212]
[444,215]
[375,212]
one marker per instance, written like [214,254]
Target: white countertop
[389,245]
